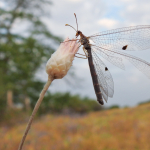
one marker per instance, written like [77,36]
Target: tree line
[25,44]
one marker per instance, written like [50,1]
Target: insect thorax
[85,42]
[87,46]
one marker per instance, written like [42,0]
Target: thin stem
[50,79]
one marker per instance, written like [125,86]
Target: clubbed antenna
[76,21]
[71,27]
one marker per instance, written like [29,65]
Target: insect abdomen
[94,78]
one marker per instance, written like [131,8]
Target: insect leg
[81,57]
[86,54]
[70,40]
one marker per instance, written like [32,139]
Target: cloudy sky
[131,86]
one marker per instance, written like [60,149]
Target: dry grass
[116,129]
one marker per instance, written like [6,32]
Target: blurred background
[30,31]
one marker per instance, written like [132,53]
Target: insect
[110,44]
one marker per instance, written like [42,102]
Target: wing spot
[124,47]
[106,69]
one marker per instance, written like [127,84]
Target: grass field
[116,129]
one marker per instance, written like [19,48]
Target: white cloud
[87,11]
[107,23]
[1,4]
[136,11]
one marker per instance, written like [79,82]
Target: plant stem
[50,79]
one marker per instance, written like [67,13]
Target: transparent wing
[104,77]
[140,64]
[108,55]
[128,38]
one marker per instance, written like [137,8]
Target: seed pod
[61,60]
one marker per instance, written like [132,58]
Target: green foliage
[57,103]
[66,103]
[146,102]
[126,106]
[14,116]
[114,107]
[22,53]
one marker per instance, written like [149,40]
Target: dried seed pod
[61,60]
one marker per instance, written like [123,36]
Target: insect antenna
[76,21]
[71,27]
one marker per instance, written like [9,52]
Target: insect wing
[140,64]
[104,77]
[128,38]
[110,56]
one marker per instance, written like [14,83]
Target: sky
[130,85]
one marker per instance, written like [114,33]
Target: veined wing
[140,64]
[111,57]
[128,38]
[104,77]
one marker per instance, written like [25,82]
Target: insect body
[86,45]
[109,45]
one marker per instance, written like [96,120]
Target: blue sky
[131,86]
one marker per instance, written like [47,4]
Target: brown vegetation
[115,129]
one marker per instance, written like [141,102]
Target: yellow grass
[117,129]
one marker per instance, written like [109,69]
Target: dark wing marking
[134,37]
[104,77]
[124,47]
[106,69]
